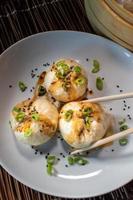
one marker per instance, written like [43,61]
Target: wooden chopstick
[110,98]
[104,141]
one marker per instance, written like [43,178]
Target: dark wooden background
[18,19]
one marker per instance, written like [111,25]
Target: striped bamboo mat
[18,19]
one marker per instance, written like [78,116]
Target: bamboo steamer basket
[122,12]
[101,29]
[109,22]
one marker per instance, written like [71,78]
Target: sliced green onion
[88,122]
[122,122]
[35,116]
[50,169]
[80,81]
[15,109]
[59,63]
[51,160]
[82,161]
[41,90]
[123,141]
[77,160]
[124,127]
[77,69]
[70,160]
[28,132]
[87,111]
[99,83]
[22,86]
[68,115]
[20,116]
[96,66]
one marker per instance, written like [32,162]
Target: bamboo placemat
[18,19]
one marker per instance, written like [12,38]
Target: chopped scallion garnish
[20,116]
[80,81]
[77,69]
[35,116]
[124,127]
[99,83]
[123,141]
[41,90]
[15,109]
[68,115]
[28,132]
[22,86]
[96,66]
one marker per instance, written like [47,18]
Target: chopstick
[110,98]
[104,141]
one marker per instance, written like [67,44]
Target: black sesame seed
[10,86]
[58,159]
[28,98]
[61,139]
[35,152]
[124,101]
[48,153]
[87,59]
[41,152]
[112,150]
[31,90]
[117,86]
[124,109]
[110,109]
[128,115]
[130,118]
[32,71]
[66,165]
[103,78]
[128,107]
[32,147]
[63,156]
[125,105]
[36,69]
[121,90]
[46,157]
[61,153]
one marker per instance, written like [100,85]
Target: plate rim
[8,170]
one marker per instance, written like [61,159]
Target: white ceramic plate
[107,169]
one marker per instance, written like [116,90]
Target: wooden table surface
[18,19]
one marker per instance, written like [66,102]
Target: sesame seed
[66,165]
[46,157]
[103,78]
[125,105]
[87,59]
[121,90]
[117,86]
[61,153]
[128,107]
[35,152]
[10,86]
[110,109]
[31,90]
[36,69]
[41,152]
[63,156]
[58,159]
[124,101]
[112,150]
[124,109]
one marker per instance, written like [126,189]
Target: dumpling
[66,81]
[82,123]
[34,122]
